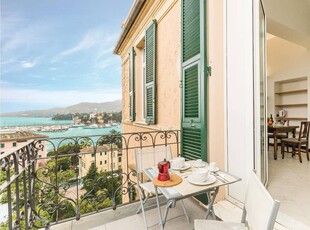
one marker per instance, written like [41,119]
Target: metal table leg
[158,207]
[211,202]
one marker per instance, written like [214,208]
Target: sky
[59,53]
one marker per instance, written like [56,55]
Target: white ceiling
[289,19]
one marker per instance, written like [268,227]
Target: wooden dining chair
[259,212]
[302,140]
[280,136]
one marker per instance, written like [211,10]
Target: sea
[7,122]
[29,121]
[59,135]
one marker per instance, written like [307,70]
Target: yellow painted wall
[167,14]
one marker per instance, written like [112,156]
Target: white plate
[185,166]
[215,170]
[211,179]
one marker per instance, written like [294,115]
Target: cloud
[91,38]
[95,40]
[26,64]
[26,38]
[61,98]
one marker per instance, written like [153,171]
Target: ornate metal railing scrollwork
[49,181]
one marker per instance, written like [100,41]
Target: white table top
[185,188]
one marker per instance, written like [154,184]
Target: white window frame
[143,83]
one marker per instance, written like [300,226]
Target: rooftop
[19,136]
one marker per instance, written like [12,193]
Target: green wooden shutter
[190,29]
[194,129]
[150,73]
[191,92]
[132,85]
[191,132]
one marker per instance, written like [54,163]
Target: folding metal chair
[259,212]
[147,158]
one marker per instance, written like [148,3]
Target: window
[14,144]
[119,159]
[105,162]
[105,153]
[93,154]
[143,83]
[40,156]
[100,153]
[2,145]
[100,162]
[132,84]
[150,73]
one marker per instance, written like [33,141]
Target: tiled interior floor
[289,182]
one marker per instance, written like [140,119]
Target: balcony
[50,182]
[88,182]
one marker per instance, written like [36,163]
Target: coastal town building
[104,158]
[10,140]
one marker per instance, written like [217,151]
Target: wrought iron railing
[49,181]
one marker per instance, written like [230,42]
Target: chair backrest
[304,130]
[149,157]
[260,208]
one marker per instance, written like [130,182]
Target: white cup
[200,175]
[212,166]
[199,163]
[177,162]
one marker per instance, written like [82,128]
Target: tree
[114,137]
[65,163]
[90,179]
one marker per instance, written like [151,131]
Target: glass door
[263,96]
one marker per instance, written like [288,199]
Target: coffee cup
[199,163]
[200,175]
[212,166]
[177,162]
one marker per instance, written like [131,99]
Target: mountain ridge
[82,107]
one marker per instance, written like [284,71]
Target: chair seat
[279,136]
[218,225]
[149,188]
[294,140]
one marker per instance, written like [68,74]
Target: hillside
[87,107]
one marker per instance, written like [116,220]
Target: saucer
[215,170]
[185,166]
[211,179]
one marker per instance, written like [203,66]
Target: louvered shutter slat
[150,73]
[191,29]
[191,89]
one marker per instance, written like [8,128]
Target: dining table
[187,188]
[278,128]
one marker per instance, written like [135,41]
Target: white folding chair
[147,158]
[259,212]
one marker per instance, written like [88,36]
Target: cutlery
[219,177]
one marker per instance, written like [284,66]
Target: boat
[77,125]
[93,126]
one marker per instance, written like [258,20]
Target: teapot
[163,169]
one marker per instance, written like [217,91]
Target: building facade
[104,158]
[9,140]
[198,66]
